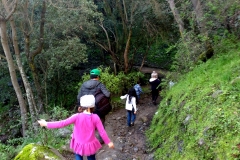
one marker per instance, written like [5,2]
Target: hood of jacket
[91,84]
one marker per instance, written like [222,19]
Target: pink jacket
[83,140]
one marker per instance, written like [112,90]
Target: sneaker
[132,124]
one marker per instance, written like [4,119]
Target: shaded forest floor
[130,142]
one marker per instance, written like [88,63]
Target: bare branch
[104,48]
[109,44]
[115,38]
[133,9]
[41,32]
[125,10]
[2,57]
[13,8]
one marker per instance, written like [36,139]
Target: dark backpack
[102,104]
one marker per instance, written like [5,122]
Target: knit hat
[95,72]
[87,101]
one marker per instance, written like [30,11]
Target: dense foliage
[116,84]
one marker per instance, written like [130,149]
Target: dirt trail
[130,142]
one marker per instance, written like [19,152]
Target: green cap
[95,72]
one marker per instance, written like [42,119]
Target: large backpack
[102,103]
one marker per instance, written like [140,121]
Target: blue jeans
[79,157]
[130,117]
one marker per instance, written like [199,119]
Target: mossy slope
[199,117]
[37,152]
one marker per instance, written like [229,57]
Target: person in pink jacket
[84,141]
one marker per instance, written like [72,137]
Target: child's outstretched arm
[58,124]
[123,97]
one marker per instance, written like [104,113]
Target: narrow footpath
[130,142]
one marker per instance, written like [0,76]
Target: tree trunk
[199,16]
[125,55]
[29,93]
[176,16]
[12,71]
[31,55]
[203,30]
[144,57]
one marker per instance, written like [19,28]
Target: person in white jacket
[130,106]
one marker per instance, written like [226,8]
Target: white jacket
[129,106]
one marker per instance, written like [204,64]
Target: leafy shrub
[7,152]
[227,40]
[58,112]
[116,84]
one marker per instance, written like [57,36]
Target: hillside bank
[198,117]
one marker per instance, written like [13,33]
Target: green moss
[36,152]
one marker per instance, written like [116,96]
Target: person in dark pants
[90,87]
[155,86]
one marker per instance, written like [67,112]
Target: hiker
[83,142]
[138,90]
[90,87]
[130,106]
[155,86]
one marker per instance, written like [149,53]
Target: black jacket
[90,87]
[155,84]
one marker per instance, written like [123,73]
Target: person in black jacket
[90,87]
[155,86]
